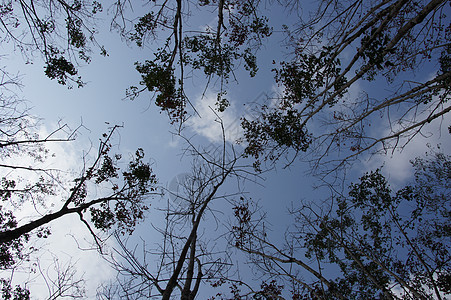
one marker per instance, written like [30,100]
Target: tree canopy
[25,182]
[215,51]
[333,50]
[383,243]
[341,46]
[62,32]
[350,79]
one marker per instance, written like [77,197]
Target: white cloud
[207,123]
[397,166]
[69,237]
[65,250]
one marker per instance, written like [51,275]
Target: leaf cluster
[371,243]
[125,207]
[378,237]
[217,53]
[274,129]
[340,46]
[8,292]
[61,31]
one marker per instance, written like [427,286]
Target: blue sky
[101,100]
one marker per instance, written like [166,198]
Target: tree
[62,32]
[341,46]
[388,41]
[184,259]
[123,206]
[25,182]
[380,243]
[216,52]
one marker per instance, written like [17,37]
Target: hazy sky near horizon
[101,104]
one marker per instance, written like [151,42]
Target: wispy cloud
[207,122]
[397,165]
[63,252]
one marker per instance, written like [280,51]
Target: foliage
[139,181]
[378,240]
[17,140]
[11,250]
[18,293]
[337,50]
[184,259]
[127,193]
[25,183]
[61,31]
[367,244]
[216,52]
